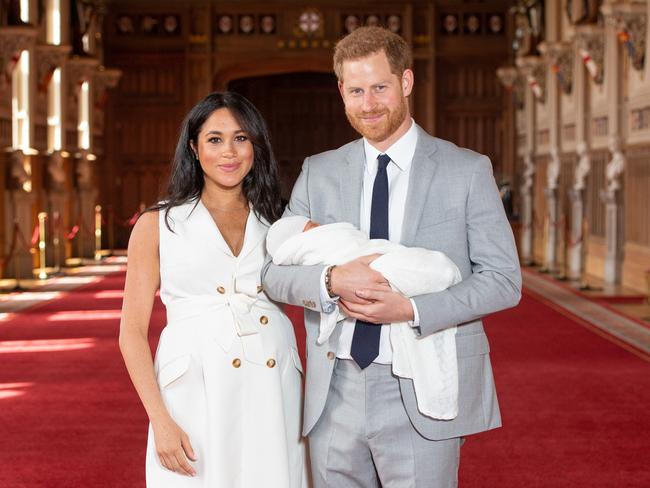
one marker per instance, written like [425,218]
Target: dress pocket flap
[173,370]
[472,345]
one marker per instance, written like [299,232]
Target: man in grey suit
[399,183]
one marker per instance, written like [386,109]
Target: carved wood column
[78,70]
[20,208]
[589,49]
[627,23]
[529,69]
[558,58]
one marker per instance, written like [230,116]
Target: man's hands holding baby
[366,295]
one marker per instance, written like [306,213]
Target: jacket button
[221,290]
[236,363]
[271,363]
[264,320]
[331,355]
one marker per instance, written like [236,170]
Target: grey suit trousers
[364,438]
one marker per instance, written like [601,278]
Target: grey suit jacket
[452,206]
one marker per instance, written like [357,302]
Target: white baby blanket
[429,361]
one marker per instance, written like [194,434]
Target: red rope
[126,223]
[73,232]
[23,240]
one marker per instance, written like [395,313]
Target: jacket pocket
[450,214]
[472,345]
[173,370]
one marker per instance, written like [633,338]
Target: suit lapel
[351,183]
[423,168]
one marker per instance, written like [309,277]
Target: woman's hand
[173,446]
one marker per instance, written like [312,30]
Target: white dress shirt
[398,171]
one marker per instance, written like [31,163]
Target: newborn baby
[429,361]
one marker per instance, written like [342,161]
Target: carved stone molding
[553,169]
[103,80]
[106,78]
[81,68]
[508,76]
[513,81]
[13,40]
[56,170]
[590,44]
[20,170]
[84,171]
[616,166]
[582,168]
[48,58]
[528,176]
[534,70]
[78,69]
[630,21]
[559,57]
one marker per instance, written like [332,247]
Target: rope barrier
[28,247]
[37,238]
[73,232]
[122,222]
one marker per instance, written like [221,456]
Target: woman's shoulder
[146,228]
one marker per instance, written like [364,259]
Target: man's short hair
[366,41]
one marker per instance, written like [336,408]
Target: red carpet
[575,406]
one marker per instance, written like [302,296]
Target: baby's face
[310,225]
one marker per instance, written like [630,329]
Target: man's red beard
[382,130]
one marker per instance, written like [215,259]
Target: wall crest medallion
[310,23]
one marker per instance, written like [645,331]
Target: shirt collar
[401,152]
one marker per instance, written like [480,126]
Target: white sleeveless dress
[227,363]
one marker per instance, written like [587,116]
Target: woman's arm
[142,281]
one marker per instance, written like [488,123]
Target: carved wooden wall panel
[305,116]
[143,129]
[469,109]
[5,132]
[565,183]
[637,197]
[539,209]
[595,206]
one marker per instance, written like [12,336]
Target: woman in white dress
[223,395]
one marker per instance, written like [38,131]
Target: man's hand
[383,306]
[347,278]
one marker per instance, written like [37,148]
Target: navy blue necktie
[365,340]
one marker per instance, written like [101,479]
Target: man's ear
[407,82]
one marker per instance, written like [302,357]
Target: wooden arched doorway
[304,113]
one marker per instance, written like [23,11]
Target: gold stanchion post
[98,232]
[42,273]
[56,241]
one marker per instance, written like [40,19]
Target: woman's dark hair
[261,186]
